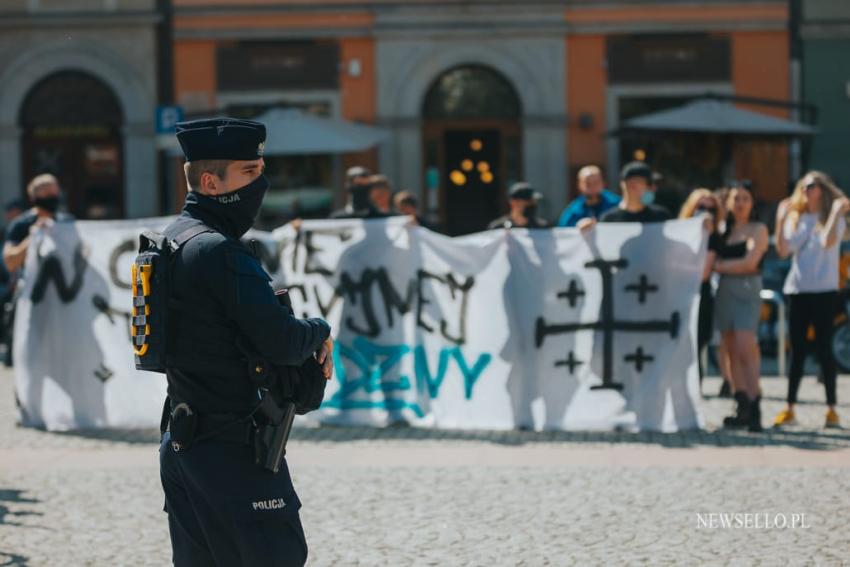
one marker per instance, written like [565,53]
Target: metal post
[780,334]
[770,296]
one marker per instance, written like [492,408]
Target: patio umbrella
[292,132]
[708,116]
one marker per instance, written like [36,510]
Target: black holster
[271,436]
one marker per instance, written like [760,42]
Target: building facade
[475,94]
[825,82]
[536,86]
[77,97]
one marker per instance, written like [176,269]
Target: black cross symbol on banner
[572,293]
[608,324]
[643,288]
[638,358]
[572,362]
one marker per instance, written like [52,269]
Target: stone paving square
[414,497]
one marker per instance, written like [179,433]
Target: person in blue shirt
[593,201]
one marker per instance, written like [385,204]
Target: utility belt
[267,427]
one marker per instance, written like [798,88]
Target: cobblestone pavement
[411,497]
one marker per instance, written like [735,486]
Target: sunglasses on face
[812,185]
[706,209]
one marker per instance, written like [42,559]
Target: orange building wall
[729,12]
[587,82]
[358,94]
[195,74]
[273,21]
[760,68]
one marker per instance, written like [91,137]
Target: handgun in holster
[270,437]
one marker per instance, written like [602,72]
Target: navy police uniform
[223,509]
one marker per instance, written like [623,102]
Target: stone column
[12,185]
[544,164]
[141,182]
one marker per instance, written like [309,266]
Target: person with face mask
[523,200]
[637,183]
[358,187]
[45,196]
[223,508]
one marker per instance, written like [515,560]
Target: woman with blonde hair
[812,227]
[703,201]
[738,305]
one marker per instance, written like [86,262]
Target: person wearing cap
[594,199]
[637,184]
[219,502]
[358,186]
[523,200]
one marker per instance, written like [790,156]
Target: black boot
[742,412]
[754,424]
[725,390]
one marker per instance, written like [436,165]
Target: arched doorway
[71,123]
[472,145]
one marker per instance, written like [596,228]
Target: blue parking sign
[167,117]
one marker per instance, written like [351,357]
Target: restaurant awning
[293,132]
[708,116]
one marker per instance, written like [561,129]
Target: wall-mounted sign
[673,58]
[259,65]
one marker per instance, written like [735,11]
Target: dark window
[472,92]
[70,98]
[71,124]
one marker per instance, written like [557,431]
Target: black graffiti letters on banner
[50,271]
[359,292]
[455,288]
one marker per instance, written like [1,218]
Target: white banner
[546,329]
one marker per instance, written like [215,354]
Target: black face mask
[239,209]
[360,197]
[530,212]
[49,204]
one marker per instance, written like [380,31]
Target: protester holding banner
[738,304]
[523,200]
[594,199]
[358,185]
[636,182]
[45,195]
[812,226]
[703,201]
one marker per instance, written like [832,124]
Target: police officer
[223,509]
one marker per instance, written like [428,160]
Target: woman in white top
[812,228]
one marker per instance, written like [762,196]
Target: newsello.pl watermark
[752,521]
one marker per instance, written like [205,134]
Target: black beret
[222,138]
[523,190]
